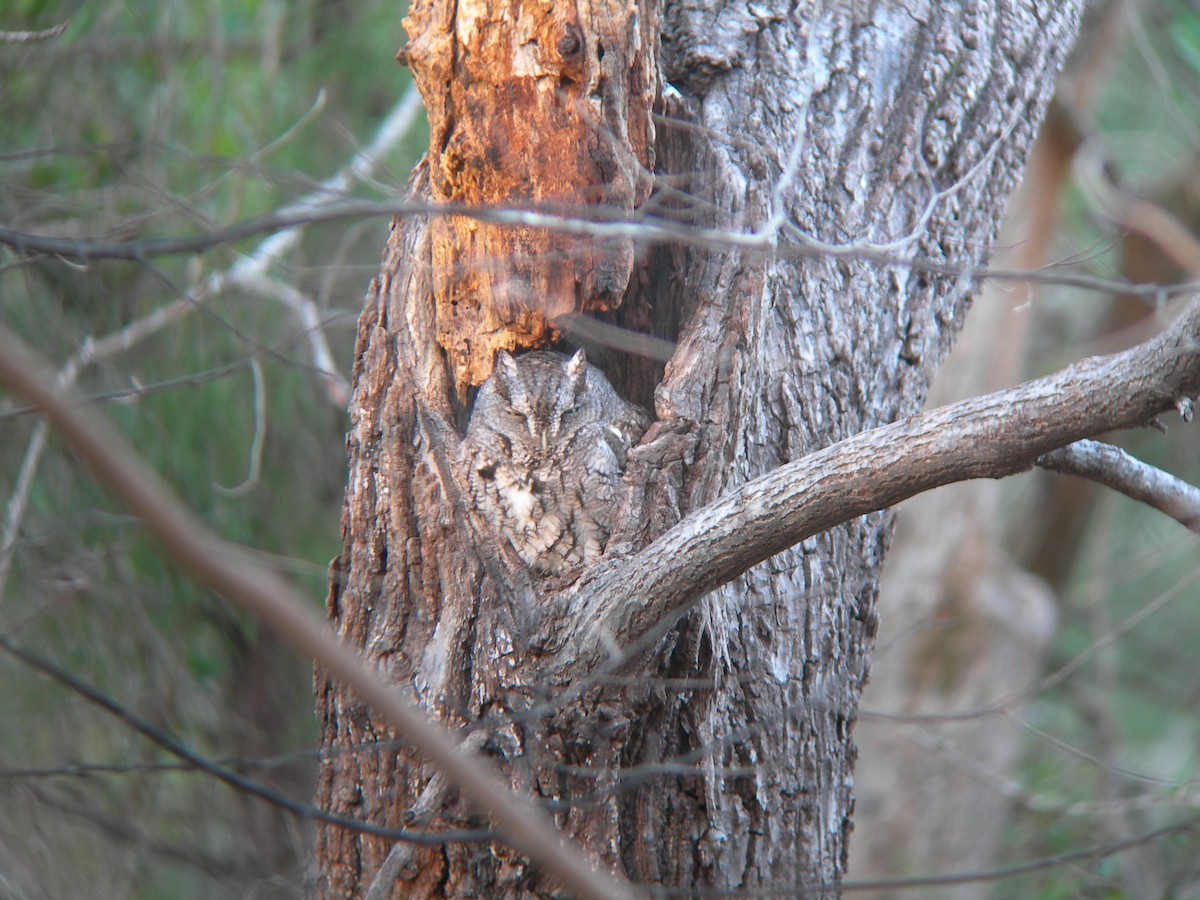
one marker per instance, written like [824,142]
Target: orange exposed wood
[531,102]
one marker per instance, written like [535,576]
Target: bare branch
[1092,170]
[222,773]
[120,830]
[30,37]
[305,309]
[991,436]
[330,191]
[19,501]
[1114,468]
[597,222]
[259,442]
[402,856]
[232,572]
[1099,851]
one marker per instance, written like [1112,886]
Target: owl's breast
[515,489]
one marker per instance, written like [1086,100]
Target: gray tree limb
[991,436]
[1116,469]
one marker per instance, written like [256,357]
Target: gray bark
[722,755]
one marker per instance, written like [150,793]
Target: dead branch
[249,272]
[407,838]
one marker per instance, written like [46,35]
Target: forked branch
[991,436]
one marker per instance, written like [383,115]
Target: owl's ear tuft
[576,370]
[505,375]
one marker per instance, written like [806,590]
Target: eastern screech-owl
[544,450]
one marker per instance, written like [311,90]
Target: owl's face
[541,404]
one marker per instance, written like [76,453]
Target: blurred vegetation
[170,118]
[153,119]
[1113,749]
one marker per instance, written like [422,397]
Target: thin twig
[30,37]
[239,782]
[427,807]
[259,441]
[249,272]
[597,222]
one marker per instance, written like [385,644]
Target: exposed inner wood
[531,104]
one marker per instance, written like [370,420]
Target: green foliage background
[1113,751]
[153,119]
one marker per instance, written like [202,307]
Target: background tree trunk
[965,628]
[723,755]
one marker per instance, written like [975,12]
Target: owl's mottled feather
[545,450]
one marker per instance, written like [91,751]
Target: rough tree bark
[721,755]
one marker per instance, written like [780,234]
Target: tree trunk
[720,755]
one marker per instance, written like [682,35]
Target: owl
[544,451]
